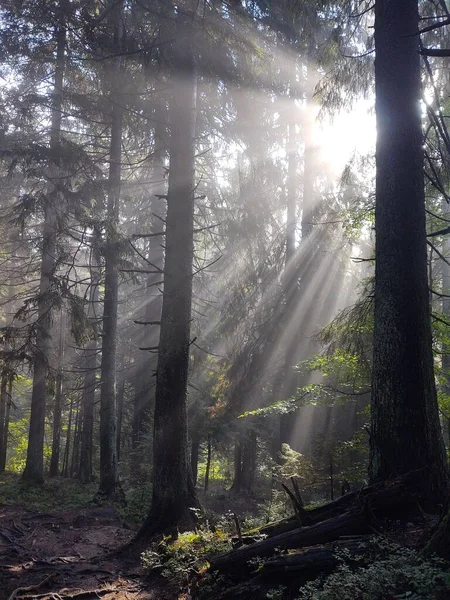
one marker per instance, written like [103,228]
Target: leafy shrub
[178,560]
[386,570]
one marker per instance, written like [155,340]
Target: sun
[340,136]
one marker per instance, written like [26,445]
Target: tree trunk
[75,461]
[90,366]
[120,401]
[145,389]
[208,463]
[195,451]
[57,409]
[3,404]
[34,469]
[65,466]
[172,495]
[405,430]
[108,409]
[4,448]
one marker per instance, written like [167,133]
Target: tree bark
[173,496]
[208,463]
[90,366]
[34,469]
[57,409]
[405,429]
[108,409]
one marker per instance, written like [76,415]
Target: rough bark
[90,366]
[3,405]
[173,493]
[57,407]
[350,523]
[144,399]
[208,463]
[108,408]
[34,469]
[405,430]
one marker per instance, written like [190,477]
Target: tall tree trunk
[173,493]
[75,461]
[446,313]
[34,469]
[195,452]
[120,401]
[208,463]
[57,409]
[65,465]
[90,366]
[108,409]
[144,400]
[4,448]
[405,430]
[299,266]
[3,409]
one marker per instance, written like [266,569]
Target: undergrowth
[385,570]
[188,556]
[54,494]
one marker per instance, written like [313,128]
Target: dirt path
[62,555]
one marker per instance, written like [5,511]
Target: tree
[405,430]
[34,469]
[108,409]
[173,492]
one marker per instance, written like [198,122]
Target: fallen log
[382,499]
[350,523]
[293,570]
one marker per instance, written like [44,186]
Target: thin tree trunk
[34,469]
[75,461]
[208,463]
[120,401]
[237,479]
[195,451]
[108,409]
[90,366]
[57,409]
[6,426]
[405,431]
[3,405]
[173,493]
[65,467]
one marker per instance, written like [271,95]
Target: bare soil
[71,554]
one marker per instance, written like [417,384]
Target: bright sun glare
[339,137]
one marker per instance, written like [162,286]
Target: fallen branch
[30,588]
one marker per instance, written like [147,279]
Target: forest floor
[70,554]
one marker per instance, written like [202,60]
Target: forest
[225,299]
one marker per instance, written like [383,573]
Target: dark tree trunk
[3,405]
[237,479]
[4,447]
[34,469]
[208,463]
[173,496]
[405,431]
[90,366]
[108,409]
[75,461]
[144,401]
[65,465]
[120,401]
[244,463]
[57,409]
